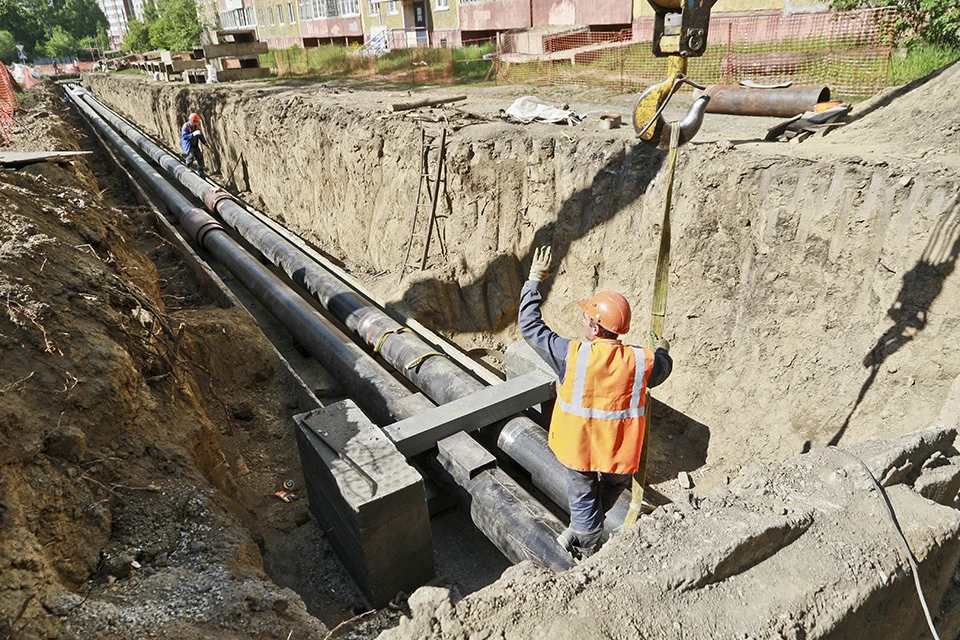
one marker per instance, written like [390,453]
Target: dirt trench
[812,287]
[136,475]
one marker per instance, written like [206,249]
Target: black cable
[896,525]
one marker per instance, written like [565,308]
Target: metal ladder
[428,196]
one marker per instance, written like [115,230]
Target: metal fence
[847,51]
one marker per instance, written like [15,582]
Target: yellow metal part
[651,101]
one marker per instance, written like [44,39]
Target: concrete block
[521,359]
[235,75]
[183,65]
[232,49]
[463,458]
[940,484]
[377,520]
[480,409]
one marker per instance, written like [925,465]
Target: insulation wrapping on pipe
[513,520]
[439,378]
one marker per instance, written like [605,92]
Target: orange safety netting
[8,104]
[28,80]
[848,51]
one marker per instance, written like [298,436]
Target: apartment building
[441,23]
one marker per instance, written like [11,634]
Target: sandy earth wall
[812,298]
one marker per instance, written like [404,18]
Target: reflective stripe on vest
[575,407]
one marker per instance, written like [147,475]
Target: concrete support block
[377,520]
[233,49]
[234,75]
[522,359]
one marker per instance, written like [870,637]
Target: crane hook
[648,120]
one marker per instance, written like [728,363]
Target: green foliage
[8,49]
[919,61]
[932,21]
[61,43]
[83,19]
[137,39]
[26,26]
[178,27]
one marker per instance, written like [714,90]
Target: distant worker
[599,417]
[190,139]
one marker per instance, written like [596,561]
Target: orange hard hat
[609,309]
[194,117]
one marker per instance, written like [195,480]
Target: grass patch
[920,60]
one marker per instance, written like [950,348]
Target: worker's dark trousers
[591,495]
[195,155]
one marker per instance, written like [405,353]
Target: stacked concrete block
[235,54]
[368,500]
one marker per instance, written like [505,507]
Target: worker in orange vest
[598,420]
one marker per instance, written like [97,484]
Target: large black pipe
[438,377]
[380,395]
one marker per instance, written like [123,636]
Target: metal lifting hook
[648,120]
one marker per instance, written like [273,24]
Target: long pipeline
[521,439]
[379,394]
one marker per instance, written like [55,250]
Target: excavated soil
[812,302]
[812,286]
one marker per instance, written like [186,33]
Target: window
[270,15]
[443,5]
[293,20]
[373,8]
[280,13]
[349,7]
[306,10]
[320,8]
[392,8]
[260,18]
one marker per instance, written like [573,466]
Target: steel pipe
[784,102]
[378,393]
[439,378]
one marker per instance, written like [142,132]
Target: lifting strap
[658,314]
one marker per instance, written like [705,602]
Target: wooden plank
[485,407]
[21,158]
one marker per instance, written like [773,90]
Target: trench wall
[812,301]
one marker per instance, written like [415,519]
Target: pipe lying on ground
[379,394]
[439,378]
[783,102]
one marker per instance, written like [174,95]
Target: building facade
[392,24]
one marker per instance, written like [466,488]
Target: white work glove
[542,261]
[662,343]
[196,133]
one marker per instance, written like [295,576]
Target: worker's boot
[579,545]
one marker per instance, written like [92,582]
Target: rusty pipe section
[784,102]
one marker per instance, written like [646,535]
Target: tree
[62,43]
[137,39]
[178,27]
[8,47]
[934,21]
[83,19]
[26,27]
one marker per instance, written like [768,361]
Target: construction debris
[801,127]
[427,102]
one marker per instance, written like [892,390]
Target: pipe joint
[198,224]
[213,198]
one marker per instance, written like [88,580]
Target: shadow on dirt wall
[490,303]
[921,287]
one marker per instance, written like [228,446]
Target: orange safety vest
[598,419]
